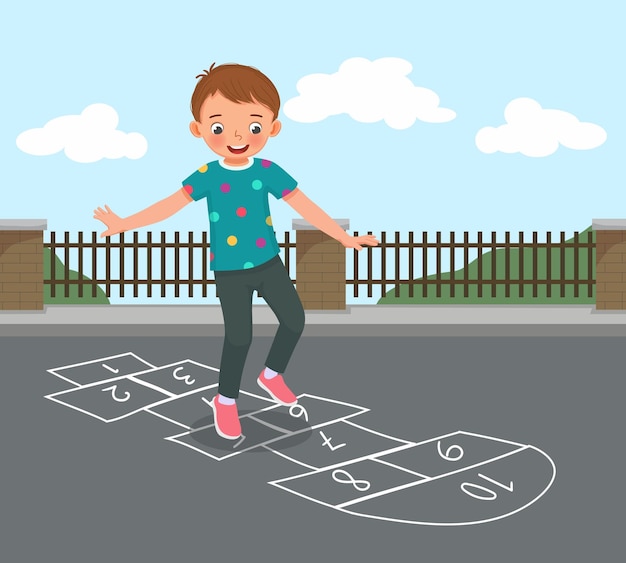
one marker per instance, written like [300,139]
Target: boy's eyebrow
[255,115]
[216,115]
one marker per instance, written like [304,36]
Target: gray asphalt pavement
[77,489]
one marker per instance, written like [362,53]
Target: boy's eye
[255,128]
[217,128]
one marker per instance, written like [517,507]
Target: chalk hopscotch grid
[283,483]
[429,479]
[420,480]
[285,433]
[150,408]
[342,507]
[372,457]
[404,444]
[132,377]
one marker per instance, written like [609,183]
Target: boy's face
[234,131]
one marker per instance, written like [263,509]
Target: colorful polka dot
[241,212]
[261,242]
[266,163]
[231,240]
[188,189]
[203,169]
[257,184]
[211,256]
[286,192]
[248,265]
[214,217]
[268,221]
[225,187]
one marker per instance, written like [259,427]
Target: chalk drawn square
[493,490]
[109,400]
[206,440]
[101,369]
[193,411]
[450,452]
[335,444]
[180,377]
[335,486]
[315,411]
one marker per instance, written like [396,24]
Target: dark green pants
[235,291]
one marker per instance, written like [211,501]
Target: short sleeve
[279,183]
[196,184]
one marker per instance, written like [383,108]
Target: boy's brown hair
[237,83]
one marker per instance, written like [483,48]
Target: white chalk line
[491,438]
[286,432]
[404,445]
[341,506]
[53,371]
[365,457]
[467,523]
[421,475]
[374,457]
[193,392]
[429,479]
[371,457]
[132,377]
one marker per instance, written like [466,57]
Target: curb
[356,321]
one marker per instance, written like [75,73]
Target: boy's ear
[195,129]
[276,126]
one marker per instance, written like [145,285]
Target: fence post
[21,264]
[610,263]
[320,267]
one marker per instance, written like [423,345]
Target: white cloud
[88,137]
[534,131]
[368,91]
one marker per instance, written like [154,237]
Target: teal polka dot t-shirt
[240,225]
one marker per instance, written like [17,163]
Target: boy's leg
[235,295]
[280,294]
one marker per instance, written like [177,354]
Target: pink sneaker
[226,420]
[277,389]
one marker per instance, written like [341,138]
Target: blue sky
[141,59]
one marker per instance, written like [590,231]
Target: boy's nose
[237,134]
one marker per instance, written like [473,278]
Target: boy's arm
[153,214]
[320,219]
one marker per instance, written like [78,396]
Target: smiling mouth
[238,150]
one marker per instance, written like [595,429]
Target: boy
[235,110]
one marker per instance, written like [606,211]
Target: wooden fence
[105,256]
[506,264]
[415,264]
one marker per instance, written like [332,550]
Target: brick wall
[21,264]
[320,267]
[610,263]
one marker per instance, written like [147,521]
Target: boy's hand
[114,223]
[359,242]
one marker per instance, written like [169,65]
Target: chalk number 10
[479,492]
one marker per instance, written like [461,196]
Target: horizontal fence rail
[414,264]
